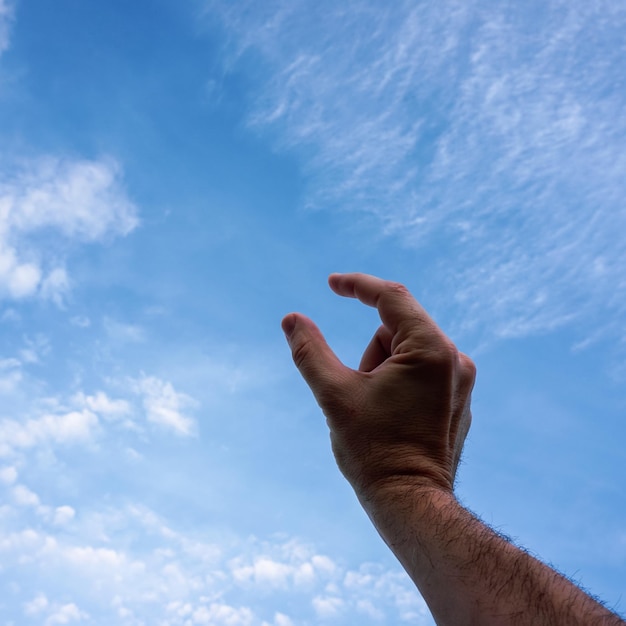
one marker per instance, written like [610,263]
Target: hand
[397,426]
[403,416]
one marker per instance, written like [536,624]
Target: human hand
[403,416]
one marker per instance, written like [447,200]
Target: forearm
[470,575]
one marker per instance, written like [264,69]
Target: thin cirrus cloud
[80,200]
[493,132]
[6,15]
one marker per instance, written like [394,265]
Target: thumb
[325,374]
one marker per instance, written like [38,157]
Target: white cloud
[17,279]
[215,613]
[63,515]
[280,619]
[324,564]
[23,543]
[102,405]
[88,558]
[327,606]
[10,315]
[6,16]
[65,614]
[219,614]
[83,200]
[35,348]
[96,553]
[164,405]
[367,607]
[66,428]
[142,570]
[23,496]
[55,286]
[36,605]
[492,139]
[85,418]
[122,332]
[132,455]
[8,475]
[55,613]
[290,565]
[265,571]
[346,84]
[371,587]
[81,321]
[10,375]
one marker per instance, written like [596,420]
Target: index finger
[393,300]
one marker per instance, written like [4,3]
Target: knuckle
[392,293]
[468,370]
[398,289]
[444,358]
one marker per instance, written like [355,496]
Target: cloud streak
[6,16]
[490,135]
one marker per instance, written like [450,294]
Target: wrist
[371,467]
[416,491]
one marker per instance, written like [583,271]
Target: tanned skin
[397,428]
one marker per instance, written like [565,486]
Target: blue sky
[175,177]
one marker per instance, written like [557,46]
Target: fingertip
[340,283]
[333,280]
[297,323]
[288,324]
[311,354]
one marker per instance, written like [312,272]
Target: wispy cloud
[492,135]
[76,200]
[6,15]
[10,375]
